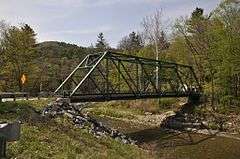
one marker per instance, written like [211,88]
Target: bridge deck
[121,96]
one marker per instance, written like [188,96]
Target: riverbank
[58,138]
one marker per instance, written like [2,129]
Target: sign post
[23,80]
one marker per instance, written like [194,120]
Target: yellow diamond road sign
[23,79]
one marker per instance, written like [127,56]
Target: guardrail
[24,95]
[13,95]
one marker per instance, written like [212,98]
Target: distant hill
[55,49]
[55,60]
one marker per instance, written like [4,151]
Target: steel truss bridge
[108,76]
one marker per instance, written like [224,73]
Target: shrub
[230,101]
[167,103]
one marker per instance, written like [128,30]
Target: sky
[79,21]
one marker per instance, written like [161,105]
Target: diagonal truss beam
[91,70]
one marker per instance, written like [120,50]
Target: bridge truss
[112,76]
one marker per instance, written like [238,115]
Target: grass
[126,109]
[114,109]
[57,138]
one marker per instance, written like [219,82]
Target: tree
[3,28]
[228,15]
[213,41]
[101,44]
[131,43]
[154,32]
[18,51]
[199,42]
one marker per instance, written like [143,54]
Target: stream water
[169,144]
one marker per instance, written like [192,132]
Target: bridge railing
[13,95]
[5,96]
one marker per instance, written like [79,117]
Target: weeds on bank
[58,138]
[129,109]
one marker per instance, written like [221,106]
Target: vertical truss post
[159,77]
[142,81]
[139,80]
[157,73]
[119,76]
[107,76]
[137,77]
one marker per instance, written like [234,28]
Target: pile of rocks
[233,124]
[63,107]
[184,122]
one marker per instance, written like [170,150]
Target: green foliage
[56,140]
[147,52]
[210,43]
[178,52]
[24,110]
[115,109]
[54,49]
[55,61]
[131,43]
[230,101]
[46,64]
[167,103]
[18,52]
